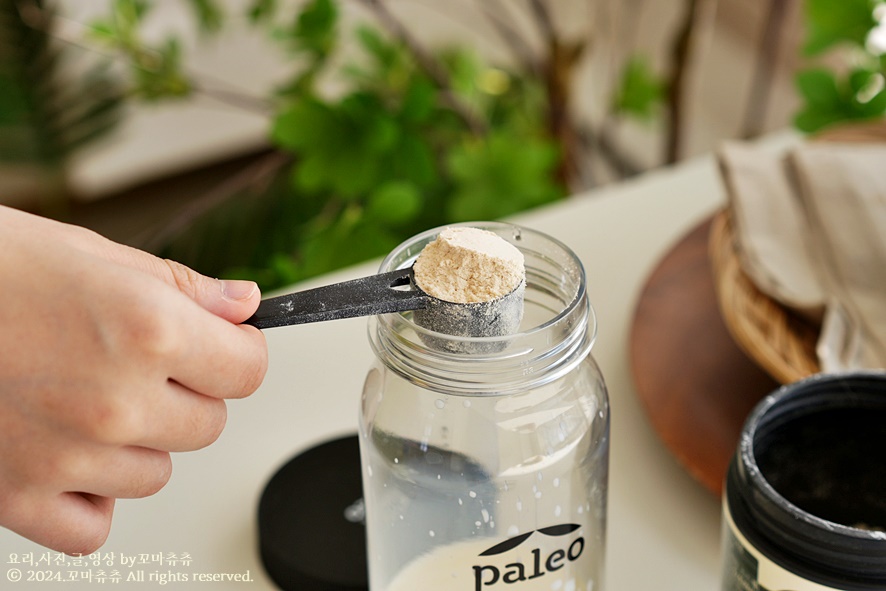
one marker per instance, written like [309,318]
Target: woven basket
[778,340]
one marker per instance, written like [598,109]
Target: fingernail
[238,290]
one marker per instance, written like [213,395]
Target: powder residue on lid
[466,265]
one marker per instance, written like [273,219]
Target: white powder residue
[469,265]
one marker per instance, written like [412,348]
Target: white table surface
[663,526]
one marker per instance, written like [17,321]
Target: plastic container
[485,467]
[805,498]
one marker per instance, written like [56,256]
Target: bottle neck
[557,334]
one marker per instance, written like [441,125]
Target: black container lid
[311,532]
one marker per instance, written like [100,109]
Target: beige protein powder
[467,265]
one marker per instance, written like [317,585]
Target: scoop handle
[367,296]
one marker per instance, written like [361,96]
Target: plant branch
[681,56]
[603,144]
[764,69]
[239,100]
[428,63]
[260,172]
[543,20]
[558,76]
[36,18]
[509,35]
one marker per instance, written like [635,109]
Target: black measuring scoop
[367,296]
[394,291]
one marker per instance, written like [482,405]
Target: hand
[110,358]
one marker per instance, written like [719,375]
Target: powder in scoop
[468,265]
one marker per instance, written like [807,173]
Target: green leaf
[414,160]
[160,74]
[353,174]
[502,175]
[829,100]
[811,120]
[310,174]
[394,202]
[818,87]
[209,14]
[262,11]
[384,53]
[306,125]
[876,106]
[103,31]
[867,90]
[346,240]
[419,101]
[830,22]
[127,14]
[381,134]
[464,68]
[13,104]
[641,92]
[314,30]
[859,78]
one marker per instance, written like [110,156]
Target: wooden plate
[694,382]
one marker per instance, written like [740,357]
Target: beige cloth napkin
[811,226]
[842,190]
[774,249]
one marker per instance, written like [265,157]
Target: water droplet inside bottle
[460,502]
[513,530]
[556,483]
[431,533]
[396,460]
[485,515]
[439,403]
[472,494]
[467,403]
[557,511]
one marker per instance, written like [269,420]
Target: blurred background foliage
[49,108]
[414,136]
[857,28]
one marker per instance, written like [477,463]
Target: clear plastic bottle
[488,469]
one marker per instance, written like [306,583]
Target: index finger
[218,358]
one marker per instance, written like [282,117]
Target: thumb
[234,300]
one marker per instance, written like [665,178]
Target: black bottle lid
[310,521]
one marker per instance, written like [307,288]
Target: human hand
[110,358]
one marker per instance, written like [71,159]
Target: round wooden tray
[693,381]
